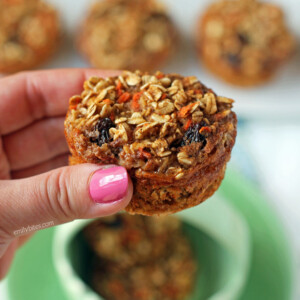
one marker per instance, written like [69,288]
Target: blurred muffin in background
[141,258]
[127,34]
[244,41]
[29,34]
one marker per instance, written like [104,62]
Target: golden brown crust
[243,42]
[152,198]
[127,34]
[29,34]
[178,163]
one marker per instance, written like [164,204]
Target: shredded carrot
[145,153]
[205,129]
[185,110]
[73,106]
[107,101]
[137,96]
[160,76]
[119,88]
[187,124]
[119,85]
[124,97]
[133,236]
[164,96]
[198,92]
[219,116]
[112,116]
[135,101]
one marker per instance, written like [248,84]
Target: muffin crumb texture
[170,132]
[244,42]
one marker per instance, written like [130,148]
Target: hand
[35,190]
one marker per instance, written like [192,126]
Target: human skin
[36,186]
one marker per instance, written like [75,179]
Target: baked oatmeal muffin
[244,41]
[172,134]
[29,34]
[127,34]
[140,258]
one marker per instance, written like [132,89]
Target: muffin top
[27,27]
[127,34]
[162,123]
[249,36]
[128,240]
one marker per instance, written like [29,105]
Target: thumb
[62,195]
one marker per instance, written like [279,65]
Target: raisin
[103,127]
[233,59]
[116,222]
[243,38]
[157,15]
[192,135]
[14,39]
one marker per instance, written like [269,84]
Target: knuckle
[58,194]
[6,233]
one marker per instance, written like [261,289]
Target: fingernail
[109,184]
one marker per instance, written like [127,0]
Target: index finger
[30,96]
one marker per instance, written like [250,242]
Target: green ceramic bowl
[219,237]
[271,272]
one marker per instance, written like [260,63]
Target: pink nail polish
[109,185]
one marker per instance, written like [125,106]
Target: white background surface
[272,134]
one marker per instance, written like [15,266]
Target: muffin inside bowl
[215,234]
[138,257]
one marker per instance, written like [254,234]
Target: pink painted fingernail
[109,184]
